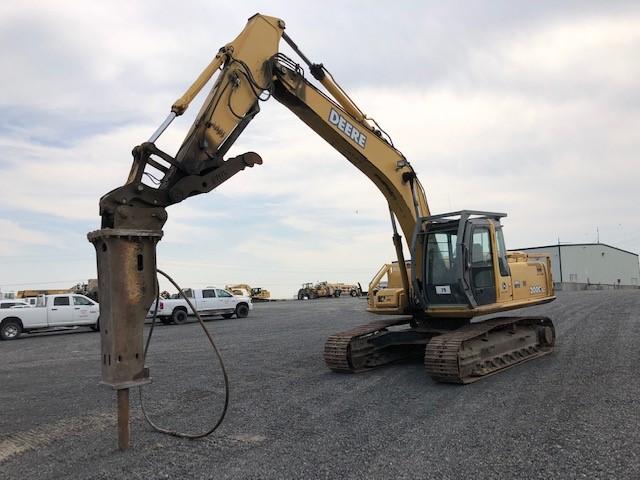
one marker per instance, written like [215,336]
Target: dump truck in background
[322,289]
[257,294]
[354,290]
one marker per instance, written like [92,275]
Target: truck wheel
[227,315]
[179,316]
[337,293]
[96,326]
[354,293]
[10,330]
[242,311]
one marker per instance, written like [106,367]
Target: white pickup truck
[208,301]
[50,313]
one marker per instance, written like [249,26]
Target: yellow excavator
[459,267]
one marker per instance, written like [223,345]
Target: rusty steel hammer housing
[127,288]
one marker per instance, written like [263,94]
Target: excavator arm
[249,70]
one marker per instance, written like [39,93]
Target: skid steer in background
[460,267]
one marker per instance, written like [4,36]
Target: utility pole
[560,258]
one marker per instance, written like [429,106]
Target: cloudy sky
[531,108]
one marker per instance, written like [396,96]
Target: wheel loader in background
[460,268]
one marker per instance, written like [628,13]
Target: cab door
[483,282]
[502,270]
[226,299]
[84,310]
[60,311]
[210,302]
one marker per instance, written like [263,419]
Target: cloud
[531,110]
[12,236]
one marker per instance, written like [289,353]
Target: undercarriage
[463,354]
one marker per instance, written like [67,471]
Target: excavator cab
[459,250]
[465,269]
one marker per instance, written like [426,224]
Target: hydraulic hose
[217,354]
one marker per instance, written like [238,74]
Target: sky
[528,108]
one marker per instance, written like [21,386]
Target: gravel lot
[573,414]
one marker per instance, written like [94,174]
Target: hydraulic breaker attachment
[127,287]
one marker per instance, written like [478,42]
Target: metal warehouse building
[589,265]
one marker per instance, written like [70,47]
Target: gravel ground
[573,414]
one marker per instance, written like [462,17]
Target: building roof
[575,245]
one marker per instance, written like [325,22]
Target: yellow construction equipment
[321,289]
[459,266]
[35,293]
[256,294]
[351,289]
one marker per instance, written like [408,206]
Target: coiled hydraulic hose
[217,353]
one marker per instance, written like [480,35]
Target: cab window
[481,249]
[60,301]
[502,254]
[208,293]
[223,293]
[81,301]
[10,304]
[441,256]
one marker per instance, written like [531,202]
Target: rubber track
[337,351]
[441,359]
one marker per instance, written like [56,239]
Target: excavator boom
[252,70]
